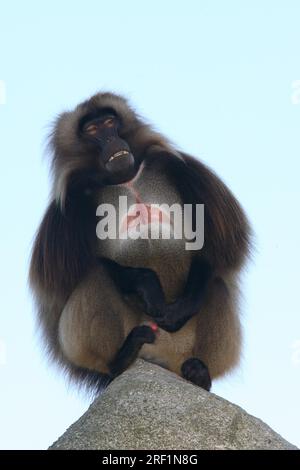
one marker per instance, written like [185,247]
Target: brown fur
[83,317]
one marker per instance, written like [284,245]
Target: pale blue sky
[214,76]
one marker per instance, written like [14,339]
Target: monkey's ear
[226,229]
[61,252]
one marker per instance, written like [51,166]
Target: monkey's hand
[149,289]
[146,284]
[143,334]
[175,315]
[140,281]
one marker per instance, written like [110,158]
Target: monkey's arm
[144,282]
[171,317]
[141,281]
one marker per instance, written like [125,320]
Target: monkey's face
[102,142]
[100,130]
[94,146]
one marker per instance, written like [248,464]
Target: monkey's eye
[94,127]
[109,122]
[91,129]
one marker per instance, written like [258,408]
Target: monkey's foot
[196,372]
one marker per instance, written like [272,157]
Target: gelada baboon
[103,302]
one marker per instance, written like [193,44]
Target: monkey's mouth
[119,154]
[120,166]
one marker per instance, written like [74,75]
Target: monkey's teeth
[121,153]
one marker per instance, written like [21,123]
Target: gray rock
[148,407]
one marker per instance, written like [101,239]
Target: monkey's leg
[130,348]
[194,370]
